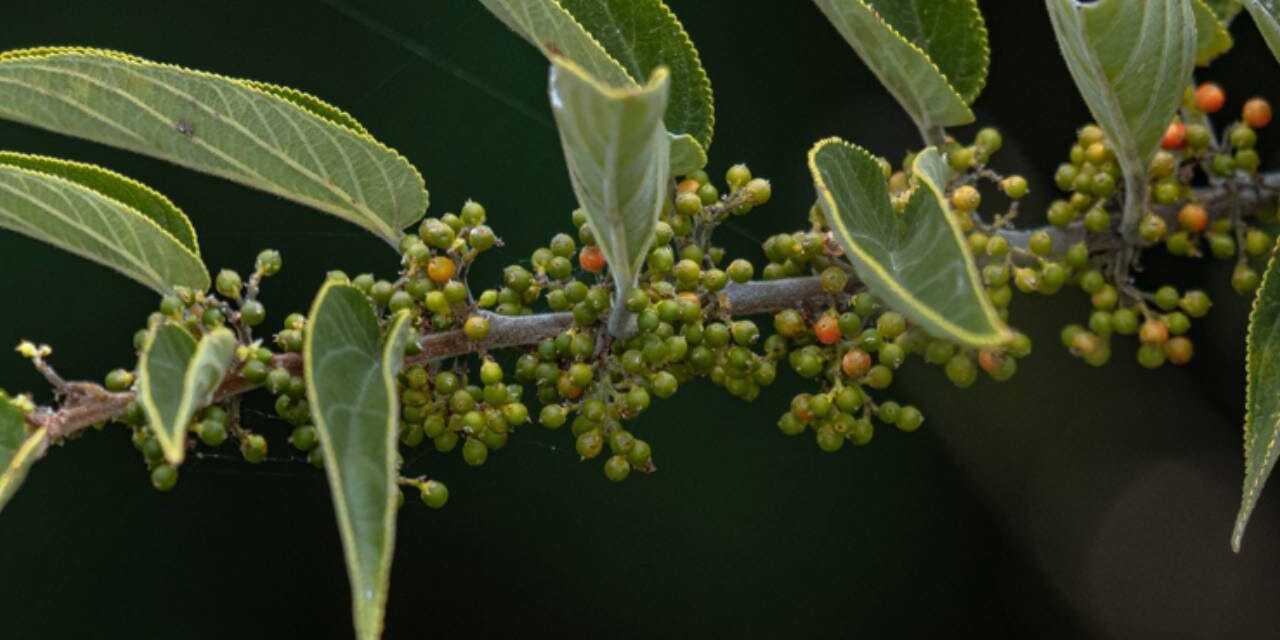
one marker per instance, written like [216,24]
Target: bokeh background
[1066,503]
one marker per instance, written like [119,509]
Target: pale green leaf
[132,193]
[620,43]
[916,261]
[1266,14]
[60,203]
[351,387]
[278,140]
[1226,10]
[686,155]
[176,377]
[19,447]
[896,38]
[1212,37]
[1262,395]
[1131,62]
[617,152]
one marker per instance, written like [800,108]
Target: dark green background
[1069,502]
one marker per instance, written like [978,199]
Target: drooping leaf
[99,215]
[271,138]
[620,43]
[176,377]
[1262,395]
[617,152]
[1212,37]
[1266,14]
[351,387]
[132,193]
[1130,61]
[19,447]
[931,55]
[916,261]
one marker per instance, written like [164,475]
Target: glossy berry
[119,380]
[591,259]
[268,263]
[229,284]
[252,313]
[1175,136]
[1209,97]
[1256,113]
[440,269]
[827,329]
[476,327]
[855,363]
[1193,218]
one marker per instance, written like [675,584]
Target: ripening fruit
[591,259]
[440,269]
[1193,218]
[1153,332]
[827,329]
[965,198]
[855,363]
[476,327]
[1175,137]
[1256,113]
[1179,350]
[1209,97]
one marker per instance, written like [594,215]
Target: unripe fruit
[164,477]
[229,284]
[434,493]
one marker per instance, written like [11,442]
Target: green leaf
[1266,14]
[271,138]
[176,377]
[617,152]
[620,43]
[1226,10]
[1212,37]
[1262,395]
[351,386]
[101,216]
[1130,61]
[916,261]
[931,55]
[19,448]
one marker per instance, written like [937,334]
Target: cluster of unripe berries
[1189,151]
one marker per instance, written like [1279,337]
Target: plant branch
[87,404]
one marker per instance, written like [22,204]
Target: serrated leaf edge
[1252,491]
[51,51]
[164,200]
[166,287]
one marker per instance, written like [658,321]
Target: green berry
[229,284]
[961,371]
[434,493]
[1195,303]
[119,380]
[268,262]
[474,452]
[252,313]
[254,448]
[164,477]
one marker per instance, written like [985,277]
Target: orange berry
[591,259]
[440,269]
[827,328]
[1153,332]
[1179,350]
[688,185]
[1193,218]
[1209,97]
[1175,136]
[856,363]
[1257,113]
[991,360]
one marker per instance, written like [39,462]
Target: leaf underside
[620,43]
[177,377]
[617,152]
[1262,396]
[351,387]
[85,210]
[896,39]
[1266,14]
[918,261]
[19,449]
[1131,62]
[271,138]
